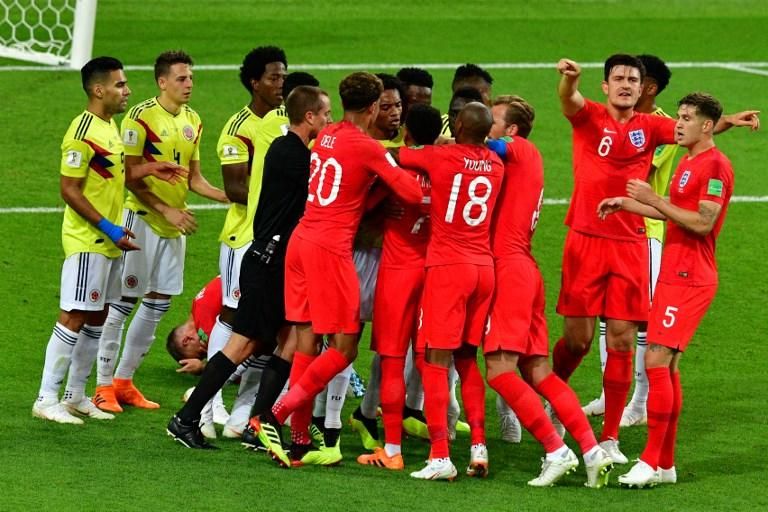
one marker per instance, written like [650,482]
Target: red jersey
[343,165]
[406,238]
[606,154]
[207,306]
[466,179]
[519,204]
[688,258]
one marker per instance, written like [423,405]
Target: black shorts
[261,309]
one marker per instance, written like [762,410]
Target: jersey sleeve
[384,166]
[716,180]
[75,158]
[415,158]
[664,129]
[134,135]
[585,114]
[232,149]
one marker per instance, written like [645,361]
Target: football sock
[414,393]
[111,337]
[141,334]
[392,399]
[273,379]
[301,417]
[392,449]
[301,362]
[667,458]
[565,362]
[337,393]
[318,409]
[370,403]
[435,381]
[559,453]
[370,424]
[616,382]
[660,398]
[640,395]
[83,357]
[331,436]
[603,346]
[216,373]
[219,337]
[473,396]
[454,409]
[527,405]
[502,407]
[565,403]
[58,354]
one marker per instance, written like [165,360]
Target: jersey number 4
[474,200]
[324,168]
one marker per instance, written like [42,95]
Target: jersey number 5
[474,200]
[323,168]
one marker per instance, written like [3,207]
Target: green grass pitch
[130,464]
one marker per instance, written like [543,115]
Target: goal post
[51,32]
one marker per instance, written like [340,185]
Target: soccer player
[459,99]
[418,85]
[516,333]
[698,200]
[458,286]
[386,126]
[472,75]
[604,262]
[260,319]
[262,74]
[657,76]
[398,294]
[322,294]
[160,129]
[92,183]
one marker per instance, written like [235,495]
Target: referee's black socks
[216,373]
[273,379]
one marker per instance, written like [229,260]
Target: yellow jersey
[93,151]
[659,180]
[236,146]
[156,135]
[446,131]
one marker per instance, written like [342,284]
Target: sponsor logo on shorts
[236,294]
[95,295]
[131,281]
[188,132]
[637,138]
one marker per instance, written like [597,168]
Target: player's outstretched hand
[608,206]
[640,190]
[183,220]
[747,118]
[568,67]
[125,243]
[168,171]
[193,366]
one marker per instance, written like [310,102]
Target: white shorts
[367,267]
[89,281]
[158,266]
[654,264]
[229,268]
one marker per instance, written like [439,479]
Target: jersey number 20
[324,168]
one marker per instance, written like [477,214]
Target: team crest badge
[188,133]
[95,294]
[131,281]
[236,294]
[684,180]
[637,138]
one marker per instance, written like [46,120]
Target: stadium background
[129,464]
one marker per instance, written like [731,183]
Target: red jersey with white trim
[606,154]
[466,179]
[344,163]
[406,238]
[206,306]
[688,258]
[519,204]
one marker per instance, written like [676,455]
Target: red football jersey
[343,165]
[207,306]
[466,179]
[519,204]
[606,154]
[688,258]
[406,238]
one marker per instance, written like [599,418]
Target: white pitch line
[736,66]
[745,69]
[216,206]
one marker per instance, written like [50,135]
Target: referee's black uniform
[261,308]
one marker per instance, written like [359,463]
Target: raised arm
[748,119]
[571,100]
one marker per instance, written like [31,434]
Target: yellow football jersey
[274,124]
[446,131]
[397,141]
[659,180]
[93,150]
[235,146]
[155,134]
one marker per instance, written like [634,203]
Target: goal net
[54,32]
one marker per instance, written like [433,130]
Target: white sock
[109,344]
[414,392]
[58,354]
[603,355]
[370,402]
[640,395]
[502,407]
[318,409]
[392,449]
[246,395]
[83,357]
[558,454]
[454,410]
[141,334]
[337,392]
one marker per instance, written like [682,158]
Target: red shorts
[516,322]
[604,277]
[454,306]
[676,312]
[396,310]
[321,287]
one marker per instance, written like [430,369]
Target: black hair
[171,346]
[97,69]
[622,59]
[656,68]
[706,105]
[468,71]
[256,62]
[359,91]
[415,76]
[167,59]
[297,78]
[423,124]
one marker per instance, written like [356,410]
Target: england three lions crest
[637,138]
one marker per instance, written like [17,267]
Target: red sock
[435,381]
[667,459]
[659,407]
[617,379]
[473,396]
[315,378]
[392,398]
[565,362]
[300,364]
[527,405]
[566,405]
